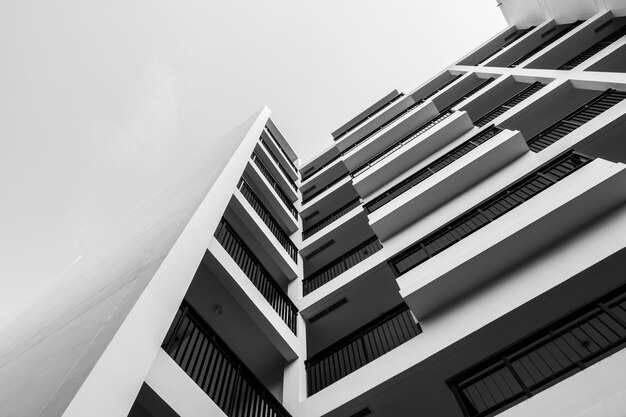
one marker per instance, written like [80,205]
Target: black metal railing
[268,219]
[507,41]
[341,265]
[431,169]
[278,164]
[331,218]
[256,272]
[315,170]
[565,29]
[508,104]
[268,176]
[488,211]
[306,197]
[379,157]
[361,347]
[544,358]
[282,150]
[210,363]
[369,116]
[588,53]
[575,119]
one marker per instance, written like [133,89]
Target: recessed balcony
[513,224]
[279,175]
[410,150]
[440,180]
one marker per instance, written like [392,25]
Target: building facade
[458,251]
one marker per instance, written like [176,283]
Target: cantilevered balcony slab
[370,125]
[366,150]
[407,156]
[306,207]
[261,231]
[523,232]
[444,185]
[251,300]
[270,198]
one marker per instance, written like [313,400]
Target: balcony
[275,142]
[389,133]
[257,274]
[454,97]
[486,240]
[361,347]
[544,358]
[268,219]
[553,34]
[321,224]
[278,164]
[508,104]
[594,49]
[441,180]
[410,151]
[315,191]
[369,113]
[495,46]
[341,265]
[274,185]
[575,119]
[589,39]
[208,361]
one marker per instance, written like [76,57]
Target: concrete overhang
[526,230]
[412,153]
[391,134]
[444,185]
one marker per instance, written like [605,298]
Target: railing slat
[533,363]
[486,212]
[359,348]
[216,369]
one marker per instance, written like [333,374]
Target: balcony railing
[369,116]
[399,115]
[208,361]
[563,31]
[381,156]
[282,150]
[488,211]
[431,169]
[278,164]
[507,41]
[268,219]
[256,272]
[268,176]
[575,119]
[331,218]
[309,196]
[544,358]
[588,53]
[508,104]
[361,347]
[341,265]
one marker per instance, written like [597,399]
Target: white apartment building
[458,251]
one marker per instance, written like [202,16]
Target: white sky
[103,101]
